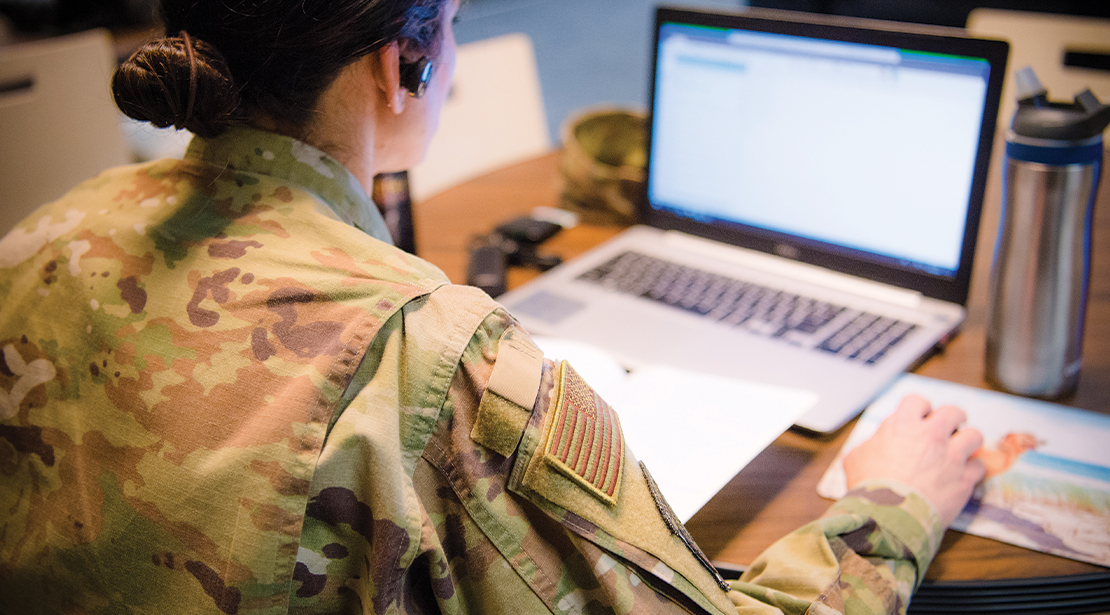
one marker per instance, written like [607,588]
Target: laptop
[813,197]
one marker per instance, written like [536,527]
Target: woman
[226,391]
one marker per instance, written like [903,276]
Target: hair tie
[192,77]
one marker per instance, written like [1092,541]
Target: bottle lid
[1037,117]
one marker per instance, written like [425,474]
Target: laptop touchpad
[547,306]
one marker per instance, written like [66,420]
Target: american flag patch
[585,441]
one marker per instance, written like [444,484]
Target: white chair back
[58,123]
[493,117]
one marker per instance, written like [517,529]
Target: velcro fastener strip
[517,372]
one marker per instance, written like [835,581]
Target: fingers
[975,470]
[914,406]
[926,449]
[966,441]
[945,420]
[948,418]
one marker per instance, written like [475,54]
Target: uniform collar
[255,151]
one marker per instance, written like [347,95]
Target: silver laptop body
[813,199]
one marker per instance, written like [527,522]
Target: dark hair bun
[178,81]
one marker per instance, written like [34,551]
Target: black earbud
[415,76]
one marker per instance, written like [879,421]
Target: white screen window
[865,147]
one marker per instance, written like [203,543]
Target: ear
[387,69]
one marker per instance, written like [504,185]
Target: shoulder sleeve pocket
[510,394]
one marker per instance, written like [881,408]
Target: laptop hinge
[803,272]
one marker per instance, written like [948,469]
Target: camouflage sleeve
[507,527]
[867,554]
[503,531]
[514,493]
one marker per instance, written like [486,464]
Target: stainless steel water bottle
[1042,258]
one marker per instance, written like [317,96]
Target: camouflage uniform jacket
[222,390]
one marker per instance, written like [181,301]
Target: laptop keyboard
[854,334]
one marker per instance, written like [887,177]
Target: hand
[925,449]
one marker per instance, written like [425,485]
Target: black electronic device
[415,76]
[519,238]
[513,243]
[487,269]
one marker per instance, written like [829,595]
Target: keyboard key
[860,336]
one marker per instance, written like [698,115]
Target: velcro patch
[510,394]
[517,372]
[585,441]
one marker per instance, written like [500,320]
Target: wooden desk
[775,494]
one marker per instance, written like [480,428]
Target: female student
[224,390]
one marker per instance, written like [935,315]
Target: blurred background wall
[587,51]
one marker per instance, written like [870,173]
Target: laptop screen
[857,147]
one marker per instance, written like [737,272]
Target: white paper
[693,431]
